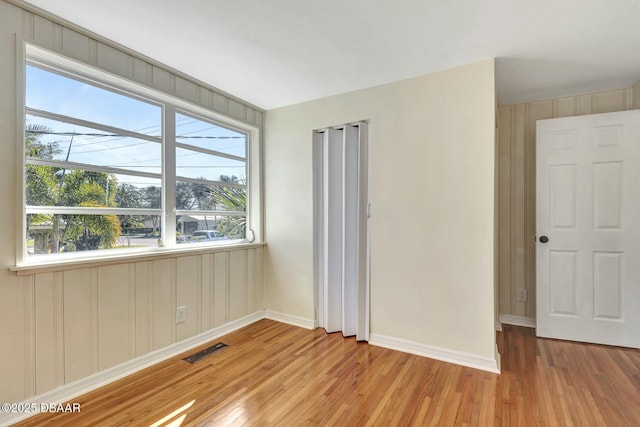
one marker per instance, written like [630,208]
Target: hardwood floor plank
[274,374]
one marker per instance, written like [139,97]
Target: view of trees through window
[94,170]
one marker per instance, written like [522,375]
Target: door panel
[563,196]
[562,282]
[588,206]
[607,285]
[607,201]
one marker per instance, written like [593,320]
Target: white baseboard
[498,326]
[69,391]
[527,322]
[290,319]
[443,354]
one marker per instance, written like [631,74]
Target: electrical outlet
[522,295]
[181,314]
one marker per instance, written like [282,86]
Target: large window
[108,168]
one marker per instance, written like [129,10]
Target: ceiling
[281,52]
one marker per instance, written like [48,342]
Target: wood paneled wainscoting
[84,320]
[277,374]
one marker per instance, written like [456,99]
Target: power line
[104,141]
[206,166]
[37,132]
[120,164]
[83,152]
[182,167]
[76,152]
[134,130]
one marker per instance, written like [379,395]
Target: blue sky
[54,93]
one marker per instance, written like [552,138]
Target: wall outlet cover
[181,314]
[522,295]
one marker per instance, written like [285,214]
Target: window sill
[49,265]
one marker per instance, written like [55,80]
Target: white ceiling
[280,52]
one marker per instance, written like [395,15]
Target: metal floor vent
[204,353]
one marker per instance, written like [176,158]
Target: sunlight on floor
[169,418]
[238,416]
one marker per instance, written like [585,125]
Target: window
[108,168]
[211,170]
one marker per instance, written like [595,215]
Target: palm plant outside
[50,186]
[234,199]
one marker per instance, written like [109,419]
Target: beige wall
[636,95]
[432,193]
[57,327]
[516,186]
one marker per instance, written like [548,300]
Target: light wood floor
[275,374]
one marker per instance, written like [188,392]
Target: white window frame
[170,105]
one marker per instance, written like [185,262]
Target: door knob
[544,239]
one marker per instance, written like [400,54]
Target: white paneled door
[588,228]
